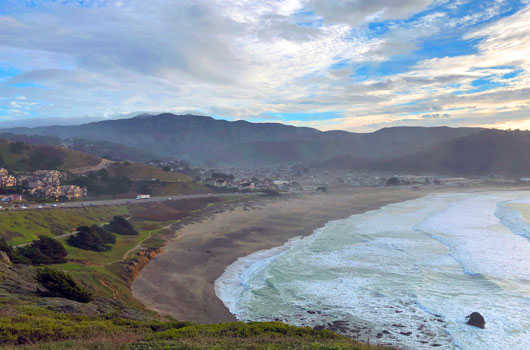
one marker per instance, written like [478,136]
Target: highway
[61,205]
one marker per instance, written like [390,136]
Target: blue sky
[349,64]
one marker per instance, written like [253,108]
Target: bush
[393,181]
[13,255]
[45,250]
[94,238]
[59,284]
[121,226]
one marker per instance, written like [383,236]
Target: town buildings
[40,184]
[7,180]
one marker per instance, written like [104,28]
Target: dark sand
[180,281]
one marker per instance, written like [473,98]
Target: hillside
[184,136]
[97,148]
[113,319]
[200,139]
[489,152]
[25,157]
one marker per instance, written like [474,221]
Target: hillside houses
[40,184]
[7,180]
[47,184]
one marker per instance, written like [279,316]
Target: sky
[357,65]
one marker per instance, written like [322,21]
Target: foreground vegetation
[54,331]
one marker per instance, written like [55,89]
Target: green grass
[24,226]
[122,245]
[54,331]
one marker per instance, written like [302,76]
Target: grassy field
[123,245]
[24,226]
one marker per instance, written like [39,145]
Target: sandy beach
[180,281]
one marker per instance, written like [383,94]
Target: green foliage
[13,255]
[166,168]
[244,330]
[59,284]
[45,250]
[100,182]
[93,238]
[121,226]
[45,159]
[17,147]
[393,181]
[58,331]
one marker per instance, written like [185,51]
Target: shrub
[13,255]
[393,181]
[121,226]
[45,250]
[59,284]
[94,238]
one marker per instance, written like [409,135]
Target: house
[7,180]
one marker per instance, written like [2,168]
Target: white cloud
[243,58]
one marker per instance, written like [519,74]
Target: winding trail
[102,165]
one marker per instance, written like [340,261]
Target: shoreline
[180,282]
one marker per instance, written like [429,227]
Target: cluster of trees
[44,159]
[60,284]
[13,254]
[17,147]
[93,237]
[47,250]
[43,251]
[121,226]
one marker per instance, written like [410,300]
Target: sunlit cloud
[332,64]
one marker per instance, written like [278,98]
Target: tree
[120,185]
[59,284]
[393,181]
[166,168]
[93,238]
[121,226]
[13,255]
[44,160]
[17,147]
[45,250]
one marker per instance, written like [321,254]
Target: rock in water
[476,320]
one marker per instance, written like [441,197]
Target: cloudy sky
[357,65]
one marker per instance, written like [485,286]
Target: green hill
[19,156]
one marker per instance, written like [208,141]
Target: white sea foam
[406,274]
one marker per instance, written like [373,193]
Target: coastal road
[131,201]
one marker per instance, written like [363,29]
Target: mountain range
[205,140]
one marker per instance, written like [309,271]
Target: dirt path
[103,164]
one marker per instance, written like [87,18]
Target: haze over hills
[205,140]
[487,152]
[202,139]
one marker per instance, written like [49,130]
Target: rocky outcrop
[4,258]
[476,320]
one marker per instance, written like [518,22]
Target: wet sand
[180,281]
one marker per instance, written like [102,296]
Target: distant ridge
[205,140]
[487,152]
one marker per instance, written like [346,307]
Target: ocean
[406,275]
